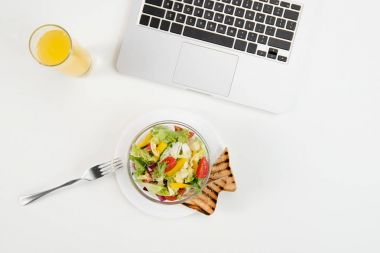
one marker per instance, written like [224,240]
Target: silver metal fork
[90,174]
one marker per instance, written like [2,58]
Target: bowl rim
[145,129]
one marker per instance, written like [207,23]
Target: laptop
[250,52]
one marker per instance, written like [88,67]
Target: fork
[90,174]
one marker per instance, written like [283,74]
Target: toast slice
[221,179]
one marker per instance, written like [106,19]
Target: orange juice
[54,47]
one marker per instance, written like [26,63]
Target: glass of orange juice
[52,46]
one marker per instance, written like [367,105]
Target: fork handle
[27,199]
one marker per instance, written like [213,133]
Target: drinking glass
[52,46]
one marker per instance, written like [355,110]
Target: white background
[308,180]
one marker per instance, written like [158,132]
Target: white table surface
[308,180]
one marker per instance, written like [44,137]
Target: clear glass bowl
[188,194]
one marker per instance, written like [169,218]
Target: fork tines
[110,166]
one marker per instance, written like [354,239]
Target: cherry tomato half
[202,170]
[171,162]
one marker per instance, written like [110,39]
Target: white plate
[126,185]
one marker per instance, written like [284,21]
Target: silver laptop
[243,51]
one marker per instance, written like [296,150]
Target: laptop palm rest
[205,69]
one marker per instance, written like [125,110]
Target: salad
[168,162]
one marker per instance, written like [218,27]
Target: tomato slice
[181,191]
[148,148]
[171,162]
[177,128]
[202,170]
[171,198]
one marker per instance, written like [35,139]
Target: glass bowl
[150,196]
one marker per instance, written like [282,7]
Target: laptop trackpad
[205,69]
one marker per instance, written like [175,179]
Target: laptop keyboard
[265,28]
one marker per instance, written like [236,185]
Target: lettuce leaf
[142,154]
[159,171]
[163,133]
[140,165]
[196,184]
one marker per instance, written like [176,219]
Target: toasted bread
[221,179]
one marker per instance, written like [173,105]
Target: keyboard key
[154,2]
[170,15]
[260,17]
[188,9]
[188,1]
[208,36]
[247,4]
[209,4]
[209,15]
[252,37]
[219,17]
[285,4]
[236,2]
[261,53]
[165,25]
[226,1]
[198,12]
[176,28]
[211,26]
[239,12]
[273,42]
[221,29]
[144,20]
[229,20]
[260,28]
[154,11]
[262,39]
[242,34]
[231,31]
[296,7]
[291,14]
[240,45]
[180,18]
[278,11]
[257,6]
[198,3]
[282,58]
[272,53]
[154,22]
[168,4]
[229,9]
[270,30]
[239,22]
[268,9]
[270,20]
[280,22]
[201,23]
[219,7]
[290,25]
[190,20]
[283,34]
[249,25]
[249,15]
[275,2]
[252,48]
[265,1]
[178,7]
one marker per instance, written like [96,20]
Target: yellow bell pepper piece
[177,167]
[178,185]
[161,147]
[145,141]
